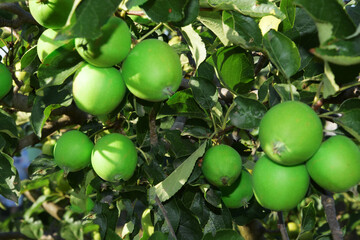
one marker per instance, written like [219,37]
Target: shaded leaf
[182,103]
[247,113]
[242,30]
[330,17]
[251,8]
[165,10]
[54,97]
[32,228]
[88,18]
[343,52]
[173,183]
[308,221]
[226,60]
[59,65]
[9,181]
[282,52]
[213,21]
[191,11]
[285,91]
[189,226]
[227,234]
[179,146]
[205,92]
[289,9]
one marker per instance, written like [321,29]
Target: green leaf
[282,52]
[9,180]
[191,11]
[349,104]
[227,234]
[242,30]
[289,9]
[218,220]
[27,185]
[72,230]
[350,121]
[308,221]
[173,214]
[182,103]
[165,10]
[304,28]
[213,21]
[32,228]
[195,43]
[173,183]
[179,146]
[342,52]
[28,57]
[247,113]
[41,166]
[285,93]
[158,236]
[226,60]
[34,207]
[330,86]
[134,3]
[88,18]
[59,65]
[54,97]
[189,226]
[252,8]
[330,17]
[205,92]
[8,125]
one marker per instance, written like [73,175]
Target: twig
[163,211]
[152,127]
[328,202]
[23,16]
[281,226]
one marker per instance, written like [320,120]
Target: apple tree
[196,119]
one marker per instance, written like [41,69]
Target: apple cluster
[151,70]
[113,157]
[291,136]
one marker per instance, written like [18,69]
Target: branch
[163,211]
[281,226]
[23,16]
[54,210]
[12,235]
[152,127]
[328,202]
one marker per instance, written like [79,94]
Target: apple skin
[336,165]
[51,13]
[47,43]
[96,90]
[152,70]
[114,157]
[72,151]
[5,81]
[109,49]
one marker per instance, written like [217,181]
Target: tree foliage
[239,59]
